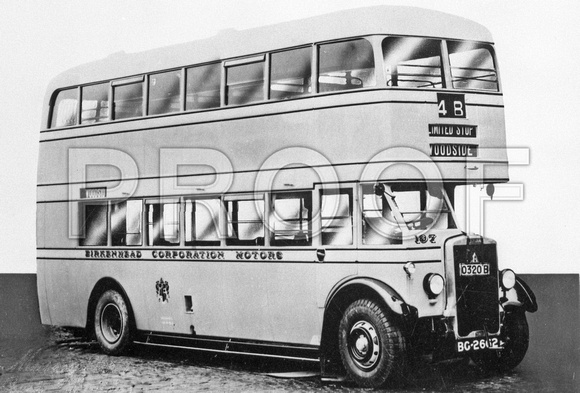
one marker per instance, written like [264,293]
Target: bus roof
[233,43]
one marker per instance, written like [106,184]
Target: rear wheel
[516,335]
[112,323]
[372,346]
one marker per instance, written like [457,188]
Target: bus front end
[464,305]
[486,306]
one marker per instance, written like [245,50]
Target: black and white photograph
[288,196]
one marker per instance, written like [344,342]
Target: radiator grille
[477,295]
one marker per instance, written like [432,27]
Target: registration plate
[478,344]
[470,269]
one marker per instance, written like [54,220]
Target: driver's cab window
[422,207]
[389,211]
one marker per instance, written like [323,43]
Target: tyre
[112,323]
[372,347]
[516,336]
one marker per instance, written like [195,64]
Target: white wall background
[539,54]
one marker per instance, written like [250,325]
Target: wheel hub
[363,344]
[111,323]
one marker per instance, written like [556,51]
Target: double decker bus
[286,191]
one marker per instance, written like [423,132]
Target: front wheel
[372,347]
[516,335]
[112,323]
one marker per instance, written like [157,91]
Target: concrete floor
[33,358]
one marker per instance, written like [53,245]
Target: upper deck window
[95,103]
[128,99]
[291,73]
[245,82]
[346,65]
[165,92]
[472,66]
[203,87]
[65,109]
[413,62]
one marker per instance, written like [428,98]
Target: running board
[231,346]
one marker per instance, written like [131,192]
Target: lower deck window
[94,225]
[291,219]
[245,226]
[336,215]
[126,223]
[202,222]
[163,224]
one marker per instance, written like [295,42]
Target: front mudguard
[520,295]
[526,295]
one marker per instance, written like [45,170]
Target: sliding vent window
[203,87]
[95,103]
[472,66]
[346,65]
[202,222]
[245,82]
[164,92]
[163,224]
[126,223]
[336,215]
[65,109]
[291,73]
[413,62]
[291,219]
[245,226]
[128,99]
[94,225]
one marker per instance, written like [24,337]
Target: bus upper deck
[417,83]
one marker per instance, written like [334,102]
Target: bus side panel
[70,281]
[40,265]
[271,301]
[62,280]
[260,300]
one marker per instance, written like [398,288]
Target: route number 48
[451,105]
